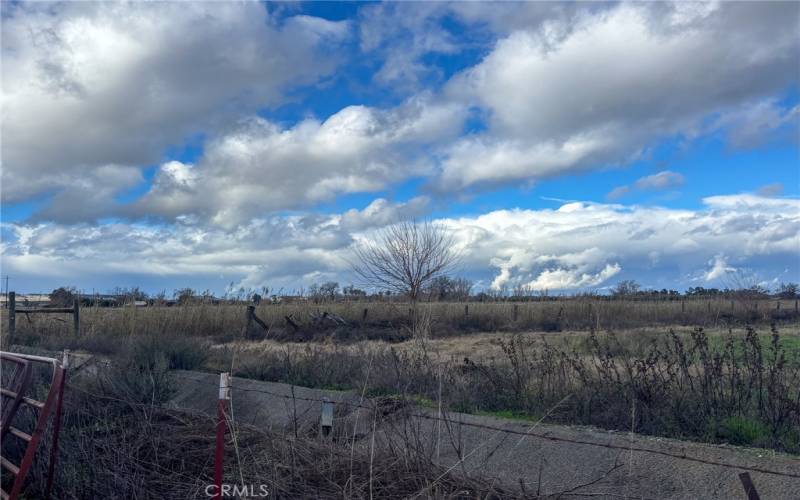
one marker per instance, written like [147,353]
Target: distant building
[28,299]
[289,299]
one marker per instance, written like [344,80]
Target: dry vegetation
[737,383]
[701,369]
[392,320]
[739,387]
[118,441]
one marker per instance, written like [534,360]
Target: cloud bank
[577,246]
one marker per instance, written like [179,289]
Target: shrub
[742,431]
[140,376]
[182,353]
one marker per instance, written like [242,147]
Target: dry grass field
[716,371]
[392,320]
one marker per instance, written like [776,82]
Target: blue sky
[567,146]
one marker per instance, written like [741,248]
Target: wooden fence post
[251,318]
[778,305]
[749,487]
[76,316]
[12,313]
[290,321]
[516,311]
[683,306]
[248,320]
[466,310]
[597,319]
[364,316]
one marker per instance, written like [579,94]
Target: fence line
[75,310]
[683,456]
[537,435]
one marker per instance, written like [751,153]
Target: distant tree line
[440,289]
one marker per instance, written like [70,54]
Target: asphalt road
[541,458]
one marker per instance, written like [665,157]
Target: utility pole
[6,291]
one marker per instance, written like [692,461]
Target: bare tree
[447,288]
[626,288]
[405,257]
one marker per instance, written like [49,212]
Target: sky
[566,146]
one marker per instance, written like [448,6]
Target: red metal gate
[16,394]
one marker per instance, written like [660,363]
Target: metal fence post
[219,453]
[12,313]
[51,469]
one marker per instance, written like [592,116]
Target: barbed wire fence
[406,411]
[529,434]
[373,404]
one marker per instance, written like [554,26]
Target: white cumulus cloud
[89,84]
[259,167]
[606,87]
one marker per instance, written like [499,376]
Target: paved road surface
[538,463]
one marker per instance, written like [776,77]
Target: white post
[219,452]
[65,359]
[224,386]
[326,418]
